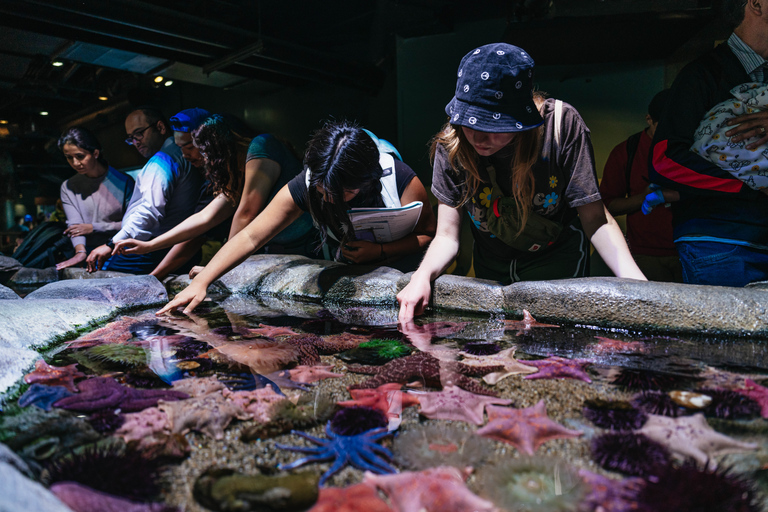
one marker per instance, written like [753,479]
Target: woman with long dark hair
[95,199]
[343,168]
[244,174]
[522,167]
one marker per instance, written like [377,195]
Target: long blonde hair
[464,159]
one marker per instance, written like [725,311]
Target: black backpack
[44,246]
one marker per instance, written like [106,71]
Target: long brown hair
[224,150]
[464,160]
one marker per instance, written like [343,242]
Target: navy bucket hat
[494,91]
[188,120]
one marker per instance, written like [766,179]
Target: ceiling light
[168,83]
[103,98]
[43,113]
[158,79]
[57,63]
[3,121]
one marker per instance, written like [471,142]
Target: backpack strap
[558,122]
[632,142]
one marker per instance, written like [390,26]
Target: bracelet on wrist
[80,252]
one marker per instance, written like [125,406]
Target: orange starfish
[525,325]
[54,375]
[387,399]
[525,429]
[355,498]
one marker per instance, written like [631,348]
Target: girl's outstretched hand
[413,299]
[131,246]
[190,296]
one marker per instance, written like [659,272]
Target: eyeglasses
[137,135]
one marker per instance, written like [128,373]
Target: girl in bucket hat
[523,169]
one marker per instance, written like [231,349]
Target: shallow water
[219,340]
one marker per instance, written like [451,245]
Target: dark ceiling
[61,56]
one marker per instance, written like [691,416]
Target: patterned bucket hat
[494,91]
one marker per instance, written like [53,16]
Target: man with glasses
[166,192]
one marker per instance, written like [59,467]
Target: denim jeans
[722,264]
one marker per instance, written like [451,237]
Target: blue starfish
[361,451]
[43,396]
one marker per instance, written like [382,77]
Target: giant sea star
[360,451]
[427,369]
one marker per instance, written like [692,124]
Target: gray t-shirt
[564,178]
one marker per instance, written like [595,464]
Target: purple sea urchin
[671,489]
[108,468]
[481,348]
[656,402]
[528,485]
[439,444]
[613,415]
[628,453]
[730,405]
[351,421]
[637,379]
[106,421]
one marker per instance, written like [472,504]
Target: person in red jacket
[624,187]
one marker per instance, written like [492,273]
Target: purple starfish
[104,392]
[555,367]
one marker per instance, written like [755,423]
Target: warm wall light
[103,98]
[43,113]
[3,121]
[168,83]
[158,79]
[57,63]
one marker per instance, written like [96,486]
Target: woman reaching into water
[522,167]
[342,169]
[244,175]
[94,200]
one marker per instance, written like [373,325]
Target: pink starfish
[355,498]
[54,375]
[270,331]
[757,393]
[691,436]
[435,489]
[84,499]
[525,429]
[525,325]
[555,367]
[306,374]
[611,346]
[148,427]
[453,403]
[257,403]
[386,398]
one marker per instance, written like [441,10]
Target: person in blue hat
[522,168]
[166,192]
[243,174]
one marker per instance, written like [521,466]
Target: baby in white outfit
[710,141]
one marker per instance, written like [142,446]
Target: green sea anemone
[532,485]
[439,444]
